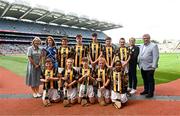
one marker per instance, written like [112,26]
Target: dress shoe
[149,95]
[143,93]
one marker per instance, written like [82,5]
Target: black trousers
[148,79]
[132,76]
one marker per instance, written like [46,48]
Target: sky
[159,18]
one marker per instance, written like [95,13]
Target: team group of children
[85,74]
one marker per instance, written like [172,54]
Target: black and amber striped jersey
[94,50]
[79,51]
[108,53]
[63,54]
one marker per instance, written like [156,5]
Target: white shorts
[89,93]
[77,68]
[126,67]
[52,94]
[60,69]
[105,93]
[71,93]
[117,96]
[90,66]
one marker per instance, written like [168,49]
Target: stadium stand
[13,49]
[27,27]
[20,23]
[169,47]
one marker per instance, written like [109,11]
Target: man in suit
[134,52]
[148,62]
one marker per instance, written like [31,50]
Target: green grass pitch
[169,67]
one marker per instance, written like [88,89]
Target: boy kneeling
[50,79]
[70,78]
[118,92]
[86,87]
[103,80]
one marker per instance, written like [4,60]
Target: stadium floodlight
[69,17]
[27,12]
[117,25]
[110,24]
[84,16]
[37,6]
[19,7]
[72,14]
[6,8]
[55,15]
[21,2]
[93,21]
[38,12]
[4,1]
[83,20]
[58,11]
[35,13]
[103,23]
[3,4]
[3,7]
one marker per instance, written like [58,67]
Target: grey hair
[36,39]
[147,35]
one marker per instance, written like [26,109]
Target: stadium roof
[22,10]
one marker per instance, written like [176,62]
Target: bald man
[148,61]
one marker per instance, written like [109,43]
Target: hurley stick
[66,101]
[84,99]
